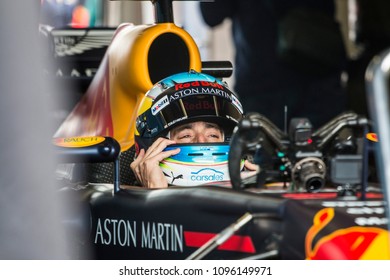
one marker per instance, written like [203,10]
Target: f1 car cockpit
[321,193]
[281,212]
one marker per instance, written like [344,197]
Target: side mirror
[89,149]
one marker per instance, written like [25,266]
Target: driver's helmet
[180,99]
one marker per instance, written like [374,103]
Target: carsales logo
[207,175]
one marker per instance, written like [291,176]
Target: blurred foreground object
[30,213]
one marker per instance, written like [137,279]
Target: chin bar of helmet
[241,142]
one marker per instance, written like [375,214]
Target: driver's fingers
[251,166]
[136,162]
[158,146]
[148,172]
[163,155]
[147,163]
[138,159]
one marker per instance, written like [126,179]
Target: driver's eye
[214,134]
[184,136]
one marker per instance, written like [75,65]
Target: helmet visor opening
[198,107]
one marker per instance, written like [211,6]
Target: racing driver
[185,108]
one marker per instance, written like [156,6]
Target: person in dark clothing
[269,81]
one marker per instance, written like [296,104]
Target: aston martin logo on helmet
[199,91]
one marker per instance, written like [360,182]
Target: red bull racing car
[317,195]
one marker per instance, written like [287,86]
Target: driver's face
[197,132]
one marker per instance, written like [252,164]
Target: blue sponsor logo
[161,104]
[207,175]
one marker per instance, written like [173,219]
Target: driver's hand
[250,169]
[251,166]
[146,166]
